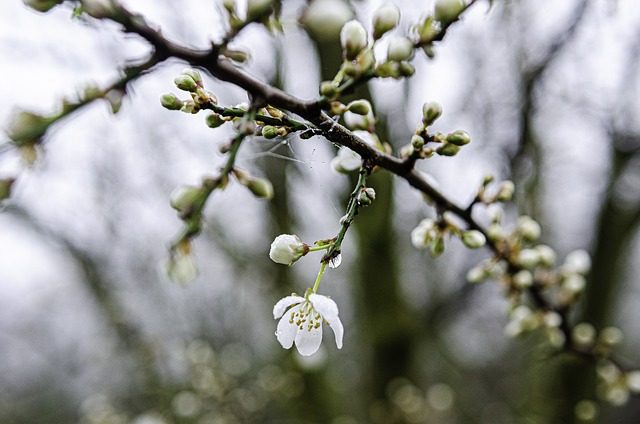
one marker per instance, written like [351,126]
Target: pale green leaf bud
[6,185]
[448,149]
[427,32]
[505,191]
[269,132]
[459,138]
[359,107]
[522,279]
[473,239]
[25,127]
[214,120]
[385,19]
[286,249]
[328,89]
[98,8]
[194,74]
[186,83]
[584,334]
[437,246]
[325,18]
[417,142]
[430,112]
[183,198]
[170,101]
[257,8]
[399,49]
[42,5]
[528,228]
[447,11]
[363,199]
[359,122]
[353,39]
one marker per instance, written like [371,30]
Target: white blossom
[286,249]
[422,235]
[302,322]
[346,161]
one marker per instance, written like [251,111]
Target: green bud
[260,188]
[385,19]
[430,112]
[186,83]
[170,101]
[366,61]
[406,69]
[269,132]
[473,239]
[5,188]
[363,199]
[183,198]
[448,149]
[26,127]
[337,108]
[189,106]
[528,228]
[399,49]
[214,120]
[505,191]
[447,11]
[98,8]
[195,75]
[523,279]
[353,39]
[370,192]
[239,56]
[388,70]
[229,5]
[436,248]
[459,138]
[427,32]
[328,89]
[417,142]
[42,5]
[258,8]
[359,107]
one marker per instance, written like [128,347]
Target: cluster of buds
[523,319]
[431,234]
[615,385]
[428,31]
[190,81]
[446,145]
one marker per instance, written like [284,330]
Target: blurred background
[91,330]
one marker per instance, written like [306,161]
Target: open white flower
[302,323]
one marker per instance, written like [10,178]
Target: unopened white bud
[423,234]
[182,267]
[523,279]
[399,49]
[194,74]
[583,334]
[353,39]
[578,261]
[505,191]
[473,239]
[528,258]
[385,19]
[186,83]
[346,161]
[528,228]
[547,254]
[477,274]
[574,283]
[325,18]
[286,249]
[170,101]
[610,336]
[633,381]
[430,112]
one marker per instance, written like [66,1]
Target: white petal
[329,311]
[286,331]
[308,340]
[284,303]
